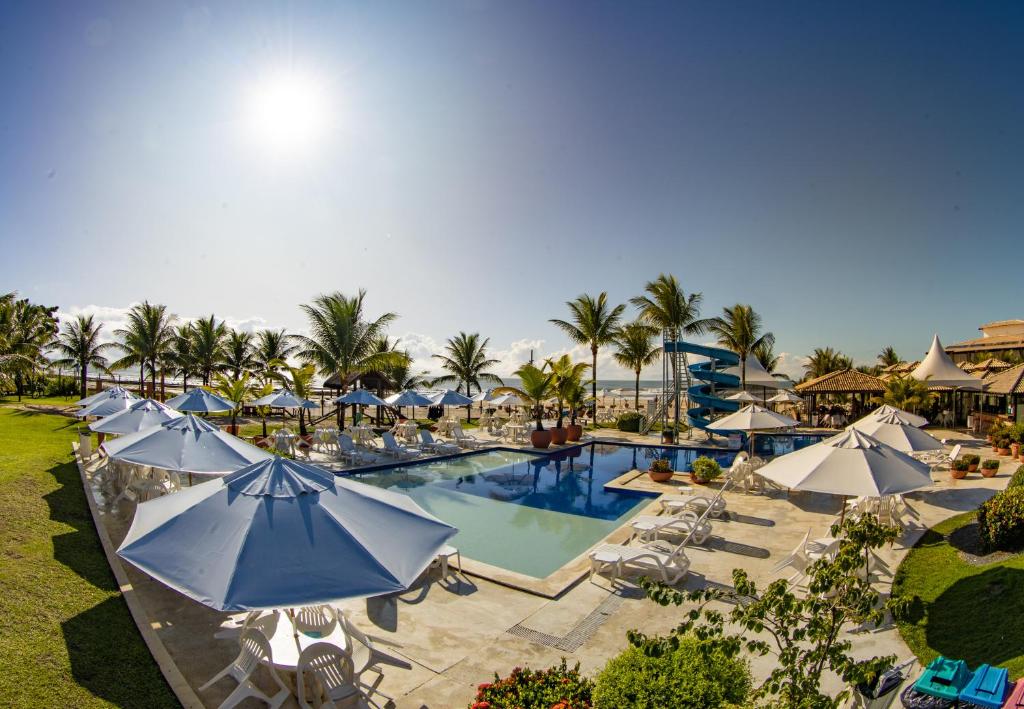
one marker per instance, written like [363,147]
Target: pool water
[531,513]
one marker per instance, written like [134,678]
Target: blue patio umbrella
[142,414]
[449,397]
[284,399]
[361,397]
[116,389]
[200,401]
[283,534]
[408,397]
[111,404]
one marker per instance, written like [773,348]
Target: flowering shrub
[1001,520]
[554,688]
[661,465]
[1018,478]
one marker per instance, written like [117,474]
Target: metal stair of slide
[702,397]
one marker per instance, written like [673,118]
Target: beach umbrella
[894,430]
[185,445]
[142,414]
[284,399]
[752,418]
[408,397]
[116,389]
[785,397]
[361,397]
[283,534]
[851,464]
[744,396]
[507,400]
[200,400]
[485,395]
[449,397]
[112,404]
[912,419]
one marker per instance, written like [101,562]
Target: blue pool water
[532,513]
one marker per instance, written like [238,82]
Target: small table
[516,429]
[407,431]
[286,645]
[362,433]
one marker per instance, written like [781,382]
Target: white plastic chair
[392,448]
[427,442]
[331,671]
[796,560]
[465,440]
[320,620]
[253,650]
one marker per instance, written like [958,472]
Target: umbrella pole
[842,512]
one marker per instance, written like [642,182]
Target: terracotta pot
[1014,450]
[1021,457]
[540,439]
[559,436]
[973,468]
[660,477]
[697,480]
[667,436]
[1003,451]
[958,474]
[575,432]
[989,472]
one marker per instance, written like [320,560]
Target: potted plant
[704,470]
[958,469]
[1003,445]
[575,399]
[989,468]
[660,470]
[972,460]
[236,390]
[537,386]
[567,375]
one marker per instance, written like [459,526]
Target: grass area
[971,612]
[62,401]
[66,636]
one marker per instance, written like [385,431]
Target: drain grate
[582,631]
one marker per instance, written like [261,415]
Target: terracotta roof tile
[1009,381]
[844,381]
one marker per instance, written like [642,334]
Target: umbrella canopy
[894,430]
[745,396]
[361,396]
[141,415]
[283,534]
[408,397]
[752,418]
[200,401]
[284,399]
[912,419]
[485,395]
[507,400]
[850,463]
[938,370]
[785,397]
[449,397]
[116,389]
[186,445]
[112,404]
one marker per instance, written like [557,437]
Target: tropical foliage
[907,393]
[79,347]
[635,349]
[536,386]
[825,360]
[146,341]
[26,330]
[465,362]
[888,357]
[568,377]
[738,328]
[593,323]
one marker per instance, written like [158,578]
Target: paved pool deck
[457,631]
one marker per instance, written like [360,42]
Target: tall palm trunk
[85,379]
[142,379]
[636,391]
[593,370]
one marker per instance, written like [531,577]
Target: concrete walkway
[458,631]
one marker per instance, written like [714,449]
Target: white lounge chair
[428,443]
[941,457]
[334,676]
[348,451]
[715,506]
[367,657]
[464,440]
[619,560]
[648,528]
[254,649]
[392,448]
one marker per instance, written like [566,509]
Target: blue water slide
[702,397]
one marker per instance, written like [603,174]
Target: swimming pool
[532,513]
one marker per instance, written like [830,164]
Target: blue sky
[855,171]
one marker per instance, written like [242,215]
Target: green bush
[1001,520]
[661,465]
[629,422]
[1017,480]
[1016,433]
[990,464]
[971,458]
[559,687]
[959,465]
[705,468]
[684,679]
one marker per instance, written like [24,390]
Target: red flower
[485,685]
[482,705]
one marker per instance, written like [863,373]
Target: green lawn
[66,636]
[971,612]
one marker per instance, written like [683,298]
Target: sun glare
[287,113]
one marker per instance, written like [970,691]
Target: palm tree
[536,386]
[272,345]
[888,357]
[297,380]
[181,355]
[208,346]
[668,308]
[146,339]
[401,376]
[907,393]
[466,362]
[567,375]
[825,360]
[765,353]
[342,340]
[237,390]
[739,329]
[635,348]
[26,330]
[594,323]
[239,353]
[80,347]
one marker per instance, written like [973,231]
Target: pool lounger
[987,688]
[944,678]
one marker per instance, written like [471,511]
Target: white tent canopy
[937,369]
[142,414]
[850,463]
[896,431]
[752,418]
[283,534]
[186,445]
[758,376]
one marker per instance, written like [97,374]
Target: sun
[287,113]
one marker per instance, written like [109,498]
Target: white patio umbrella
[116,389]
[744,396]
[851,464]
[912,419]
[141,415]
[752,418]
[485,395]
[408,397]
[186,445]
[283,534]
[284,399]
[507,400]
[361,397]
[200,400]
[896,431]
[449,397]
[785,397]
[112,404]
